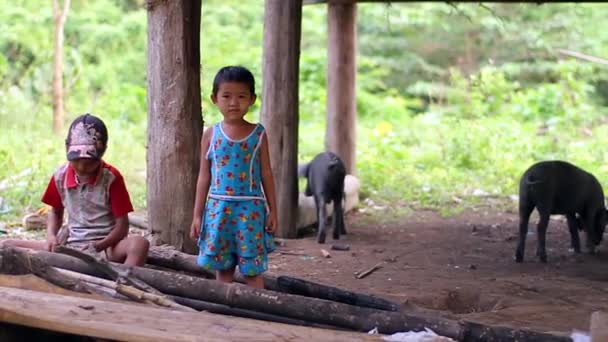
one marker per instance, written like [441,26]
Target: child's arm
[202,185]
[54,220]
[268,184]
[118,232]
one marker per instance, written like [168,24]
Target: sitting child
[95,197]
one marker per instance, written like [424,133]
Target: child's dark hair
[234,73]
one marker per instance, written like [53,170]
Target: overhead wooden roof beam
[314,2]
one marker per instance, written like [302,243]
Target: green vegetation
[453,102]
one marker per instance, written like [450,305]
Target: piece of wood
[108,269]
[337,247]
[296,307]
[583,56]
[599,326]
[138,221]
[309,289]
[304,308]
[279,113]
[227,310]
[175,124]
[134,322]
[128,291]
[325,253]
[364,273]
[168,257]
[17,261]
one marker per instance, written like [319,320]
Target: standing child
[235,186]
[95,197]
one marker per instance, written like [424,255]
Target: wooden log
[175,124]
[311,289]
[480,332]
[105,267]
[135,322]
[296,307]
[168,257]
[18,261]
[227,310]
[279,113]
[128,291]
[312,309]
[341,129]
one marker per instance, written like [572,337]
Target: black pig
[558,187]
[325,175]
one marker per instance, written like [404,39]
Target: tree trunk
[175,123]
[59,18]
[341,131]
[282,29]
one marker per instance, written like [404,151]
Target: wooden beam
[341,129]
[317,2]
[133,322]
[282,30]
[175,123]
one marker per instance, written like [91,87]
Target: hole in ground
[459,301]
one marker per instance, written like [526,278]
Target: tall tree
[59,16]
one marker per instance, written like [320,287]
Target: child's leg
[132,251]
[256,281]
[32,244]
[226,276]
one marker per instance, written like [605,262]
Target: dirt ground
[462,266]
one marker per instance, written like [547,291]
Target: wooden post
[282,28]
[340,134]
[174,118]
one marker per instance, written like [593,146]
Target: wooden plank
[317,2]
[128,322]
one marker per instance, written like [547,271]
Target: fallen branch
[365,273]
[127,291]
[583,56]
[121,276]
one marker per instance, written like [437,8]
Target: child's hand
[271,224]
[195,229]
[51,243]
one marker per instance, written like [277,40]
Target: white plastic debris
[580,336]
[427,335]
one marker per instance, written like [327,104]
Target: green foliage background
[453,100]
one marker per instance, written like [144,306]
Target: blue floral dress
[233,231]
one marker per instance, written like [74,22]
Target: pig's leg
[342,226]
[321,216]
[524,218]
[573,227]
[541,231]
[338,218]
[589,225]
